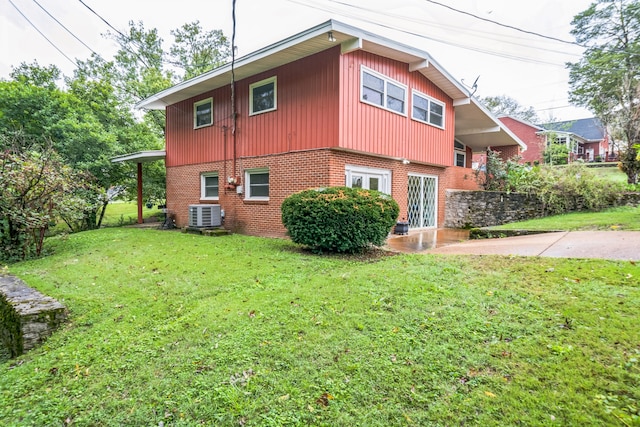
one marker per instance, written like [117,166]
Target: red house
[333,105]
[586,140]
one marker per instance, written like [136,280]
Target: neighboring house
[333,105]
[586,139]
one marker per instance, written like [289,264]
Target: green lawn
[123,213]
[177,329]
[620,218]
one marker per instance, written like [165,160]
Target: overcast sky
[526,67]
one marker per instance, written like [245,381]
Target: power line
[42,34]
[462,46]
[503,25]
[481,33]
[65,28]
[124,37]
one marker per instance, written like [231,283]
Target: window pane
[395,104]
[420,102]
[436,114]
[372,96]
[264,97]
[395,98]
[259,184]
[356,181]
[460,160]
[260,178]
[203,114]
[458,146]
[373,82]
[395,91]
[211,186]
[374,183]
[372,89]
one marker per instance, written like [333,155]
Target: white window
[263,96]
[256,184]
[209,186]
[203,113]
[368,178]
[460,154]
[427,110]
[381,91]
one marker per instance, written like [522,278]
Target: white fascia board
[353,39]
[499,123]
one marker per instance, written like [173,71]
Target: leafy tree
[198,51]
[50,116]
[607,78]
[36,187]
[504,105]
[35,75]
[556,154]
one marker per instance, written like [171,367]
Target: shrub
[339,219]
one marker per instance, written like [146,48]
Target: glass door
[422,201]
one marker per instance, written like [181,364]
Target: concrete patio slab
[611,245]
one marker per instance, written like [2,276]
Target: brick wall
[290,173]
[487,208]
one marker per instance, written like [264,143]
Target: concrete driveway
[611,245]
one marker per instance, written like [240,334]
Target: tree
[198,52]
[35,75]
[36,187]
[504,105]
[606,80]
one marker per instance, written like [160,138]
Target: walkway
[611,245]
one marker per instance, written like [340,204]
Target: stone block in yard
[27,317]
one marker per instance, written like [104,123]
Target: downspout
[233,90]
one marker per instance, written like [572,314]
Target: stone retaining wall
[27,317]
[467,209]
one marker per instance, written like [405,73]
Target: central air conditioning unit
[205,216]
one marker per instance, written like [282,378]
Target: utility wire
[503,25]
[65,28]
[462,46]
[42,34]
[449,27]
[124,37]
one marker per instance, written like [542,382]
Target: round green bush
[339,219]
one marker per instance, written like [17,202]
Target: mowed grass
[175,329]
[620,218]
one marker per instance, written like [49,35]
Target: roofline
[141,156]
[502,125]
[524,122]
[156,101]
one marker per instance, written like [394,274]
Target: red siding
[527,134]
[306,115]
[367,128]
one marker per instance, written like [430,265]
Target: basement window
[257,184]
[209,186]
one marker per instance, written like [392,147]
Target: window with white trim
[368,178]
[209,186]
[203,113]
[460,154]
[381,91]
[263,96]
[256,184]
[427,110]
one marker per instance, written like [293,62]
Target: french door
[422,201]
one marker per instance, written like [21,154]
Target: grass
[177,329]
[620,218]
[123,213]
